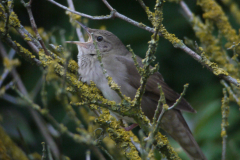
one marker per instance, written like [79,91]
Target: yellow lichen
[162,142]
[215,13]
[8,149]
[234,9]
[2,91]
[2,11]
[103,27]
[27,38]
[216,70]
[142,25]
[63,128]
[13,20]
[171,37]
[119,135]
[24,52]
[9,64]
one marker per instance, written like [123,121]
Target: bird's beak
[83,44]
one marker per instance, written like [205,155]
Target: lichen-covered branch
[215,13]
[213,47]
[34,26]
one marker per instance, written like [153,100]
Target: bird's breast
[90,70]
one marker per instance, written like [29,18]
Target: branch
[209,41]
[10,56]
[209,65]
[176,42]
[34,26]
[83,14]
[224,125]
[113,14]
[79,33]
[186,10]
[230,92]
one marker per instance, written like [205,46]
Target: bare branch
[186,10]
[4,54]
[83,14]
[78,30]
[10,98]
[224,125]
[108,5]
[142,4]
[113,14]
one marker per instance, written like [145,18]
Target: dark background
[178,68]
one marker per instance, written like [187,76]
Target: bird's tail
[175,125]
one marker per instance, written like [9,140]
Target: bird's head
[107,43]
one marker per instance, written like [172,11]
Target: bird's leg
[129,128]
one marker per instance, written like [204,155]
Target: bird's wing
[151,90]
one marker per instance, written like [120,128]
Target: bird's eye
[99,38]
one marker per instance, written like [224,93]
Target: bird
[118,62]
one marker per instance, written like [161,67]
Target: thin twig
[10,98]
[186,10]
[9,85]
[36,89]
[19,49]
[3,53]
[3,76]
[113,14]
[106,152]
[111,82]
[139,148]
[83,14]
[33,43]
[8,8]
[180,98]
[78,30]
[50,157]
[165,108]
[108,5]
[88,155]
[146,70]
[34,26]
[230,91]
[142,4]
[44,154]
[199,59]
[224,125]
[161,102]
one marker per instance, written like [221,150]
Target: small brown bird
[118,63]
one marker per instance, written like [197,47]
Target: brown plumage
[119,65]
